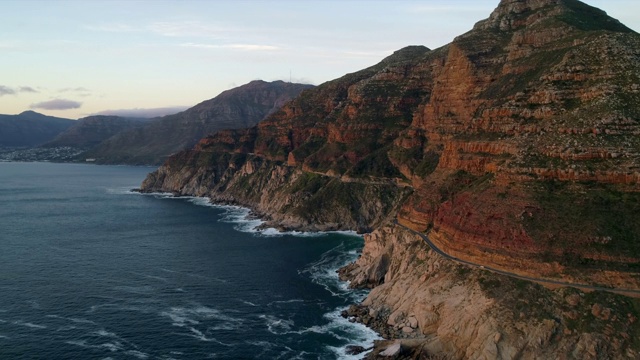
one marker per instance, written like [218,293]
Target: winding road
[424,237]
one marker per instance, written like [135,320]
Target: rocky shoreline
[355,313]
[427,307]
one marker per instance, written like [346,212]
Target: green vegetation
[375,164]
[588,18]
[463,181]
[619,308]
[617,314]
[312,145]
[309,183]
[489,283]
[422,163]
[274,148]
[349,199]
[586,217]
[428,164]
[329,156]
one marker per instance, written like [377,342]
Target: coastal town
[56,154]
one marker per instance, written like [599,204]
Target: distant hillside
[91,131]
[30,129]
[241,107]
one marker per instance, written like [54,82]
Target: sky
[77,58]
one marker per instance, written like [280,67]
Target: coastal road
[630,292]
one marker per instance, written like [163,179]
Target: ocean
[91,270]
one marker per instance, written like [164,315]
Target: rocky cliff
[516,146]
[240,107]
[434,308]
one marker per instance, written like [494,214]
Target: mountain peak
[511,15]
[30,113]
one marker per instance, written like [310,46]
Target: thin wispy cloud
[169,29]
[190,29]
[433,9]
[27,89]
[76,89]
[144,113]
[6,90]
[244,47]
[112,27]
[57,104]
[252,47]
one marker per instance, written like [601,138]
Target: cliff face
[534,116]
[519,139]
[338,175]
[287,197]
[437,308]
[240,107]
[516,146]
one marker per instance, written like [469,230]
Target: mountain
[240,107]
[91,131]
[30,128]
[514,148]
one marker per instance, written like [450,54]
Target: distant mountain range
[30,129]
[241,107]
[91,131]
[120,140]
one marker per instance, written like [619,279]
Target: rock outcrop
[287,197]
[438,309]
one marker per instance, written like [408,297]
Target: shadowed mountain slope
[240,107]
[30,129]
[91,131]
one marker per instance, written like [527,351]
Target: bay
[91,270]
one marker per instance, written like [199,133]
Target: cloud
[144,113]
[114,27]
[5,90]
[76,89]
[242,47]
[252,47]
[446,9]
[28,89]
[57,104]
[189,29]
[168,29]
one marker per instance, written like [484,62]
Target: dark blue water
[89,270]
